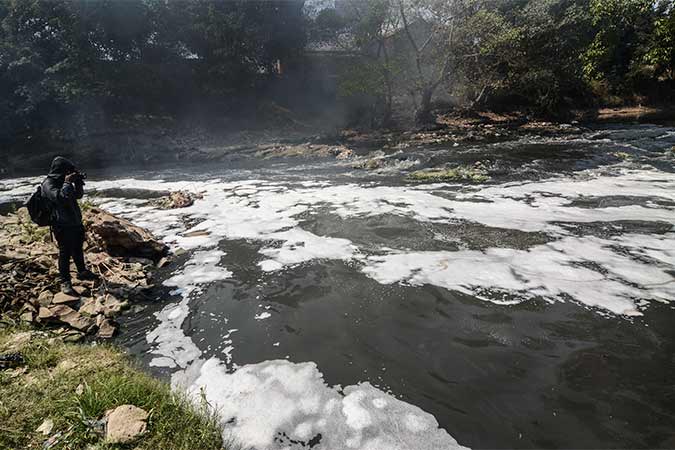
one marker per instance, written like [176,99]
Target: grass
[74,385]
[29,232]
[86,205]
[461,173]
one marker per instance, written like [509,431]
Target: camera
[79,177]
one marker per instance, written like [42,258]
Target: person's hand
[71,177]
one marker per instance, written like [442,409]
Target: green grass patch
[28,231]
[75,384]
[471,174]
[86,205]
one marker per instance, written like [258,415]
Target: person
[62,188]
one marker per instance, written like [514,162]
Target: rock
[66,365]
[106,329]
[26,317]
[44,314]
[163,262]
[62,298]
[18,341]
[112,307]
[82,291]
[197,233]
[124,424]
[141,261]
[79,390]
[73,336]
[73,318]
[46,427]
[91,307]
[119,237]
[181,199]
[178,199]
[345,154]
[45,298]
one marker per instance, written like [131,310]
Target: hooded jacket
[61,195]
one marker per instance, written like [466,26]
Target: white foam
[551,271]
[168,341]
[261,402]
[262,316]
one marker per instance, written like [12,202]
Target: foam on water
[270,404]
[168,341]
[586,269]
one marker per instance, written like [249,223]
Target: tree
[633,44]
[364,31]
[64,64]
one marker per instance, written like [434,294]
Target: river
[316,305]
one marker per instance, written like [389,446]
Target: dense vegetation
[67,67]
[549,55]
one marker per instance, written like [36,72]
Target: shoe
[67,289]
[87,275]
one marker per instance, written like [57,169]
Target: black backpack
[39,209]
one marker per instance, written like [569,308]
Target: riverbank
[56,395]
[152,142]
[61,386]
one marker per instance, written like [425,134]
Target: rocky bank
[122,254]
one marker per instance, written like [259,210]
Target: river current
[316,305]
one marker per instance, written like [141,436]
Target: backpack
[39,209]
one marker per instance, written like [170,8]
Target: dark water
[534,375]
[537,374]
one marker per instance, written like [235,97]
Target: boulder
[71,317]
[91,307]
[18,341]
[106,329]
[45,298]
[124,424]
[45,314]
[119,237]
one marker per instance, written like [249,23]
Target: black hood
[60,167]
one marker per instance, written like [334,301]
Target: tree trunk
[423,114]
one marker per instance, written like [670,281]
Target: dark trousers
[70,241]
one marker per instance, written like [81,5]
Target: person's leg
[64,263]
[64,260]
[77,251]
[78,256]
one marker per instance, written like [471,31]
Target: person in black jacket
[62,188]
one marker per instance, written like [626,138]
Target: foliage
[549,55]
[65,65]
[633,45]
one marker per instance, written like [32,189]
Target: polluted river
[319,305]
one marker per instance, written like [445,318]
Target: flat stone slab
[62,298]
